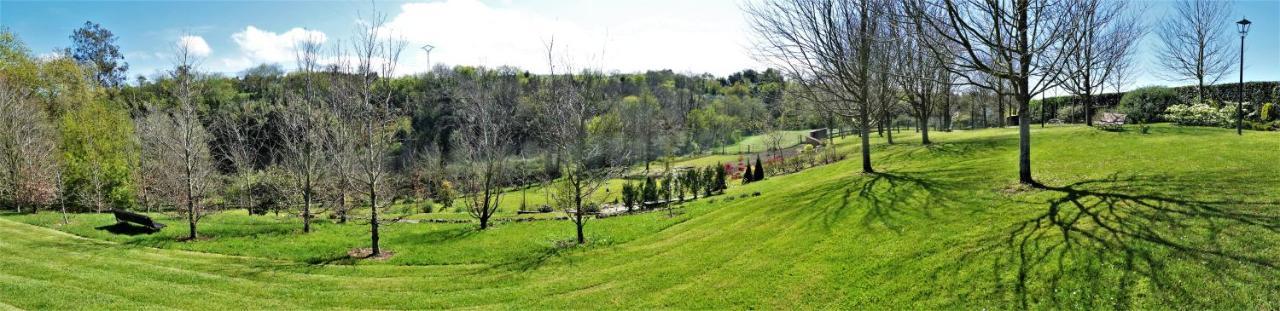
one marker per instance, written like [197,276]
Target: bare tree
[179,143]
[376,54]
[1021,42]
[775,131]
[341,129]
[644,123]
[27,149]
[1195,46]
[826,47]
[885,93]
[303,129]
[238,143]
[1104,38]
[948,93]
[487,105]
[923,76]
[586,164]
[147,182]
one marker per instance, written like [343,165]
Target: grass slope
[1180,218]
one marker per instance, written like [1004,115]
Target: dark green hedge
[1255,92]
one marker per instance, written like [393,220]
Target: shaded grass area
[1180,218]
[238,233]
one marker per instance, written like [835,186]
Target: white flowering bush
[1200,114]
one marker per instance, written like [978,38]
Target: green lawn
[1185,218]
[757,143]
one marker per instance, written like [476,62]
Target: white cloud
[635,37]
[259,46]
[47,56]
[468,32]
[195,45]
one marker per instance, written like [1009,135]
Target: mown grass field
[1182,218]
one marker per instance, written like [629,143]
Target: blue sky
[691,36]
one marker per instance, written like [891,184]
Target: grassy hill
[1179,218]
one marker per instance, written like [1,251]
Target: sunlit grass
[1179,218]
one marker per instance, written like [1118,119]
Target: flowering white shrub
[1201,114]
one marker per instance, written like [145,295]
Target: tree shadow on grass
[126,229]
[537,259]
[435,236]
[1151,229]
[893,199]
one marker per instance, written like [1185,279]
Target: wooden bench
[1111,121]
[123,216]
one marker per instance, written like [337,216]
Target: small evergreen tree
[693,182]
[709,180]
[747,175]
[650,193]
[759,170]
[629,195]
[679,186]
[666,190]
[721,184]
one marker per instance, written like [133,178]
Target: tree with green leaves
[98,151]
[96,47]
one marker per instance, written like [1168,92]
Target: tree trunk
[306,205]
[577,214]
[889,138]
[373,221]
[1000,109]
[342,203]
[946,114]
[191,202]
[1024,142]
[582,239]
[866,144]
[924,130]
[1088,109]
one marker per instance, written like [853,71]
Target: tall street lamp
[1244,30]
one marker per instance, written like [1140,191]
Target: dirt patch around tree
[367,253]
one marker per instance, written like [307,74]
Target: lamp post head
[1244,26]
[428,48]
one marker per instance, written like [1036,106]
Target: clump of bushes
[1200,114]
[445,194]
[1145,105]
[427,206]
